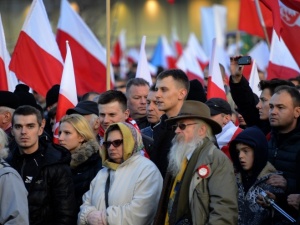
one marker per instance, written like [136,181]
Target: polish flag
[261,53]
[290,16]
[197,51]
[177,46]
[119,48]
[36,59]
[215,85]
[229,133]
[163,54]
[189,64]
[213,24]
[133,55]
[89,57]
[8,80]
[67,93]
[282,64]
[143,66]
[254,79]
[249,20]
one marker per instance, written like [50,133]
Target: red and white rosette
[203,171]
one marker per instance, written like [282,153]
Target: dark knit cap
[218,106]
[9,99]
[26,98]
[52,95]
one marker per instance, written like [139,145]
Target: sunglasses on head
[182,126]
[115,143]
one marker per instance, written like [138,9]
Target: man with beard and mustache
[200,186]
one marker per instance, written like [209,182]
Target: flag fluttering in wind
[196,50]
[260,52]
[163,54]
[89,57]
[67,93]
[215,85]
[189,64]
[177,46]
[8,80]
[254,79]
[282,65]
[36,59]
[143,66]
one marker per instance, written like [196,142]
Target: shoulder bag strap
[107,184]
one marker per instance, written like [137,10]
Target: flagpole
[262,22]
[107,44]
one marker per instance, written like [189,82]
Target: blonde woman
[76,135]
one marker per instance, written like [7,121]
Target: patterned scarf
[132,143]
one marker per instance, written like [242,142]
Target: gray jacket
[13,197]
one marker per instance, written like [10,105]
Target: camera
[244,60]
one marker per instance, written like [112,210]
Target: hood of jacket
[256,139]
[83,153]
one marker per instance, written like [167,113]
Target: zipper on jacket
[275,153]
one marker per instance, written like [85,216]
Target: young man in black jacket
[44,168]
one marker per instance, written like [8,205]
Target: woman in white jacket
[128,188]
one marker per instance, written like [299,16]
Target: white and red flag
[67,97]
[176,44]
[163,54]
[215,85]
[197,51]
[143,70]
[36,59]
[189,64]
[261,53]
[254,79]
[89,57]
[8,80]
[290,21]
[282,64]
[119,48]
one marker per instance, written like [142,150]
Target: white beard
[179,151]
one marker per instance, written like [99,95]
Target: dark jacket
[246,102]
[249,186]
[85,172]
[51,190]
[142,122]
[284,154]
[162,136]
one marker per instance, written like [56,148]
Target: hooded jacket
[135,185]
[250,186]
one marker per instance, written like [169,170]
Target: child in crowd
[249,153]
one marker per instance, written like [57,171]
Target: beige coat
[213,200]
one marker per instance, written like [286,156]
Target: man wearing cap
[220,112]
[200,186]
[90,111]
[8,103]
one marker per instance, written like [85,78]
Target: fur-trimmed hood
[83,153]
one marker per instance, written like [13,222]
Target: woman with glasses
[127,189]
[76,135]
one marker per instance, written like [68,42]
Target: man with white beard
[200,186]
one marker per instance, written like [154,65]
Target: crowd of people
[160,154]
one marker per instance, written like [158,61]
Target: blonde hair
[81,125]
[3,144]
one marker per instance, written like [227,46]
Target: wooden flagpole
[107,44]
[262,22]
